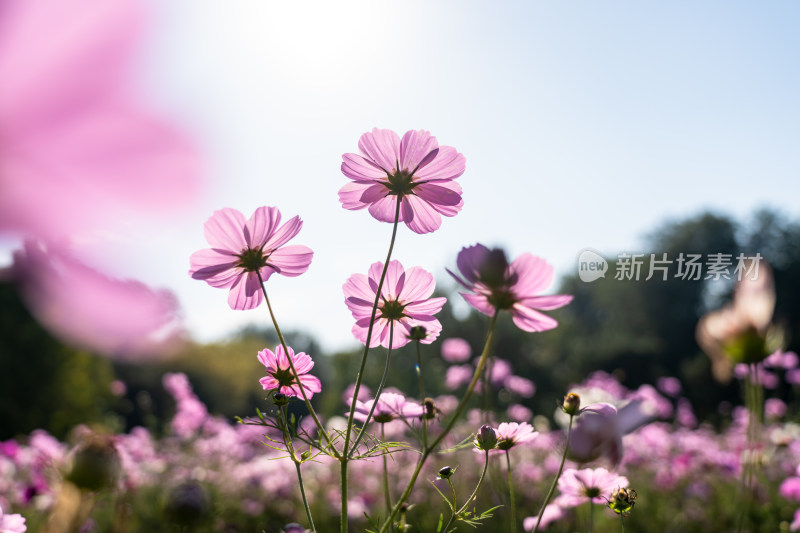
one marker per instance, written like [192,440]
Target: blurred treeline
[637,330]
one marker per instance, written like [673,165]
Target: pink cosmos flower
[75,146]
[495,285]
[391,406]
[279,374]
[595,484]
[405,302]
[596,433]
[240,249]
[552,513]
[509,434]
[414,169]
[119,318]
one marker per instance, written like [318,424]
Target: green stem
[591,515]
[422,398]
[303,494]
[474,492]
[461,406]
[344,458]
[386,494]
[378,394]
[511,495]
[622,517]
[558,475]
[289,448]
[296,376]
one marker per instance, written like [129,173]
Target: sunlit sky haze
[583,125]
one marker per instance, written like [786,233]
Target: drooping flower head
[279,374]
[595,484]
[509,434]
[391,406]
[404,302]
[596,433]
[496,285]
[414,170]
[240,249]
[738,333]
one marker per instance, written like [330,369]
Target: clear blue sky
[583,124]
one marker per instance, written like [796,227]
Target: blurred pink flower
[405,301]
[120,318]
[595,484]
[509,434]
[75,148]
[458,375]
[736,333]
[414,169]
[520,386]
[12,523]
[495,285]
[552,513]
[391,406]
[596,433]
[456,350]
[240,249]
[279,374]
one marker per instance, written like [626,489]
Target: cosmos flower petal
[419,216]
[382,146]
[395,280]
[284,234]
[448,165]
[385,209]
[547,303]
[426,307]
[214,267]
[479,302]
[359,168]
[224,230]
[261,226]
[441,197]
[528,319]
[415,148]
[245,292]
[534,273]
[291,260]
[420,284]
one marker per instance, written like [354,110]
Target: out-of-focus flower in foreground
[241,249]
[279,374]
[12,523]
[496,285]
[414,170]
[76,149]
[589,484]
[89,309]
[738,333]
[404,302]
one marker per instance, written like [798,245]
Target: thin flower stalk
[381,385]
[386,494]
[426,452]
[344,457]
[474,492]
[289,448]
[422,397]
[511,494]
[558,475]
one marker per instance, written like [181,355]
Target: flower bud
[486,439]
[95,464]
[447,471]
[280,399]
[622,501]
[417,333]
[572,404]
